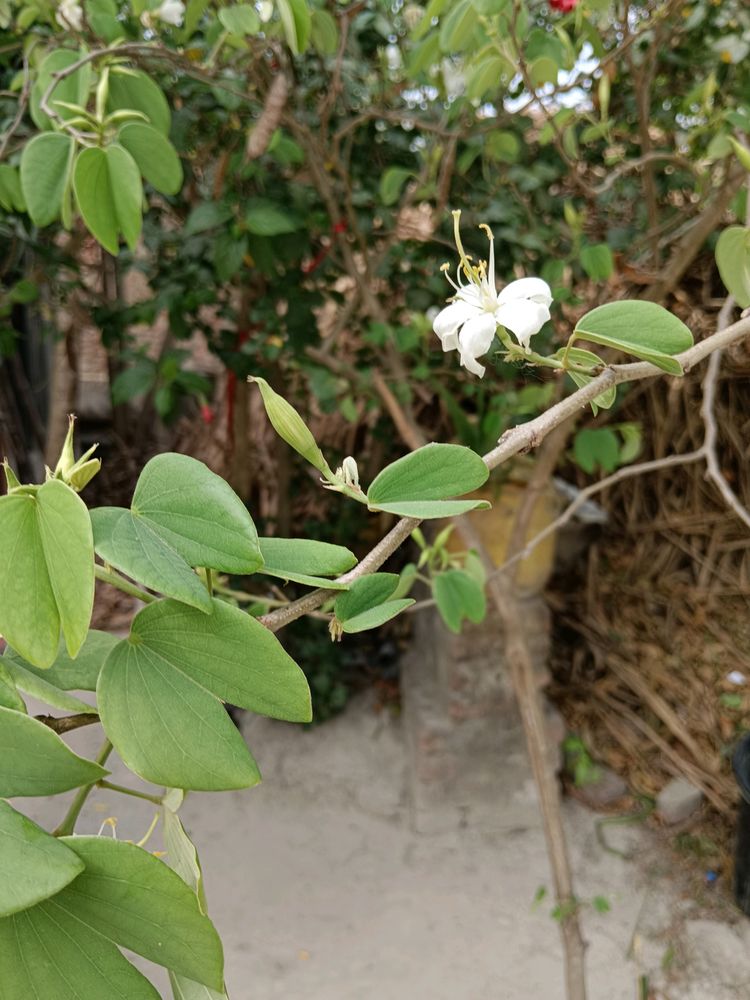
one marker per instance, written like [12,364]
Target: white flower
[469,323]
[69,15]
[171,12]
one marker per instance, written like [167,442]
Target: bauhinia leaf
[35,761]
[33,864]
[46,571]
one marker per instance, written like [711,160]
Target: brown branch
[260,135]
[67,723]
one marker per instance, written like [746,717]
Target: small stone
[605,791]
[677,801]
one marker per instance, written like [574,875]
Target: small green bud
[11,478]
[83,472]
[290,426]
[67,457]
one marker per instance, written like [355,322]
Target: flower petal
[472,365]
[477,334]
[523,317]
[449,341]
[449,319]
[533,289]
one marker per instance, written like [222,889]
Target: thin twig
[67,723]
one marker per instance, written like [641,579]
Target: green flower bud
[290,426]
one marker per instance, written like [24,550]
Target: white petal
[449,319]
[449,341]
[477,334]
[472,365]
[471,295]
[527,288]
[523,317]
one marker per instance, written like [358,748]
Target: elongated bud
[350,472]
[67,457]
[290,426]
[604,94]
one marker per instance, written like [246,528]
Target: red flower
[207,413]
[563,6]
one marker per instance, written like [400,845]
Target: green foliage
[367,603]
[643,329]
[419,484]
[733,261]
[458,595]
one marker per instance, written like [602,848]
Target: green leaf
[46,164]
[197,513]
[486,76]
[733,261]
[240,20]
[134,546]
[457,29]
[155,155]
[291,557]
[36,761]
[597,261]
[80,674]
[108,192]
[136,901]
[9,696]
[207,215]
[324,33]
[131,89]
[424,55]
[375,617]
[391,183]
[643,329]
[427,510]
[266,218]
[101,16]
[580,356]
[503,146]
[458,595]
[45,953]
[11,194]
[742,152]
[73,89]
[434,472]
[33,865]
[37,685]
[543,70]
[46,571]
[597,446]
[296,21]
[168,729]
[365,593]
[187,989]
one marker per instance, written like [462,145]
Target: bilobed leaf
[132,89]
[67,674]
[36,684]
[197,513]
[46,953]
[596,446]
[228,653]
[427,510]
[134,546]
[305,561]
[46,571]
[136,901]
[35,761]
[458,595]
[155,155]
[643,329]
[33,865]
[580,356]
[375,617]
[167,728]
[365,593]
[733,261]
[434,472]
[46,164]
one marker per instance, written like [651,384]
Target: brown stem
[67,723]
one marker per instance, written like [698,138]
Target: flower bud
[290,426]
[11,479]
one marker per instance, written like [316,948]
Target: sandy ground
[322,891]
